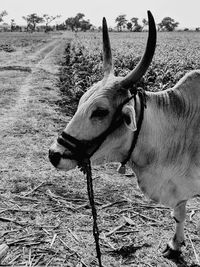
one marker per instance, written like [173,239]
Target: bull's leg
[173,248]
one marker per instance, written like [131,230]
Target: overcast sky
[186,12]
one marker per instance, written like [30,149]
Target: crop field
[176,54]
[45,217]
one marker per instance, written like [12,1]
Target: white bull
[166,156]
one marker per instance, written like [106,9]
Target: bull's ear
[129,116]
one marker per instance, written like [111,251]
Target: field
[45,217]
[176,53]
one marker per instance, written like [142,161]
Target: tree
[121,21]
[129,26]
[85,25]
[145,23]
[13,25]
[48,19]
[78,18]
[70,23]
[134,21]
[168,24]
[77,22]
[137,26]
[3,14]
[32,20]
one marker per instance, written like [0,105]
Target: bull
[157,133]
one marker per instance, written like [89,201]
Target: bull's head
[104,121]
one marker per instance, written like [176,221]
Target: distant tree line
[79,23]
[167,24]
[32,21]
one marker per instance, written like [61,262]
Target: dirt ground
[45,218]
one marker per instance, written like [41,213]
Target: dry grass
[51,225]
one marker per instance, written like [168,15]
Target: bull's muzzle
[54,157]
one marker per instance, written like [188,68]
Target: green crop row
[176,54]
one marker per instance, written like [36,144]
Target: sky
[186,12]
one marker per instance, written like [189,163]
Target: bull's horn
[107,55]
[145,61]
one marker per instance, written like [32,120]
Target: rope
[142,96]
[85,167]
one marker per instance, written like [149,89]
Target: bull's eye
[99,113]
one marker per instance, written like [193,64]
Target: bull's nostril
[54,157]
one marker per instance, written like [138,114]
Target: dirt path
[25,121]
[39,61]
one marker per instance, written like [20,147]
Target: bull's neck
[147,147]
